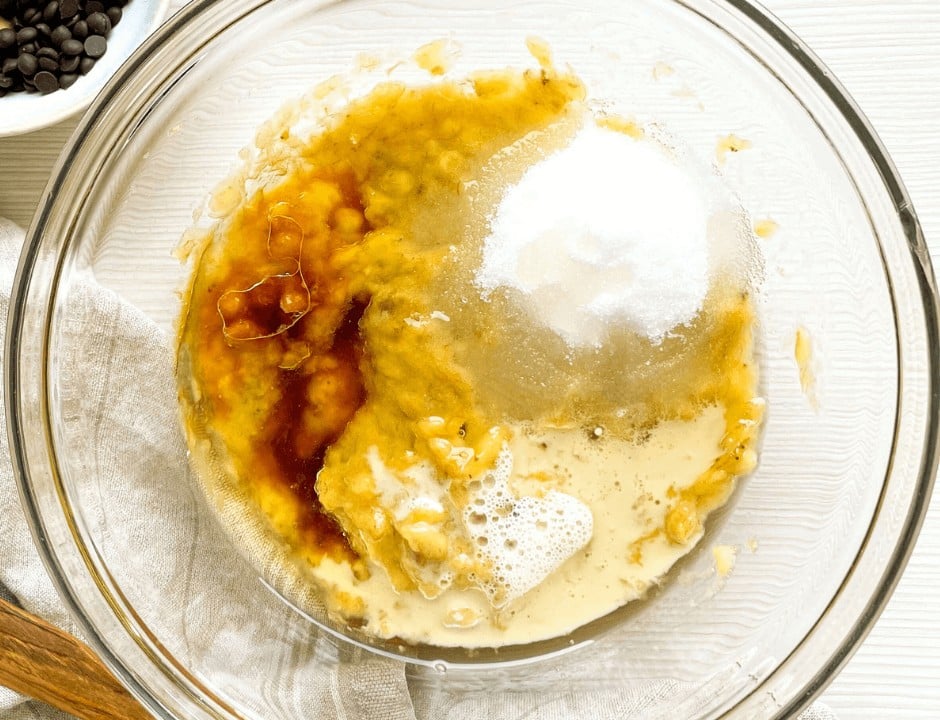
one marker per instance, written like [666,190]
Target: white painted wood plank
[887,54]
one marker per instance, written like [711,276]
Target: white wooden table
[887,54]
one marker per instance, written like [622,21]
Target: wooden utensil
[41,661]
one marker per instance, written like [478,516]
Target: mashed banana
[443,471]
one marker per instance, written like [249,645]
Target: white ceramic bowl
[22,112]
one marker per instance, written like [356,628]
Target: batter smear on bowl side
[476,360]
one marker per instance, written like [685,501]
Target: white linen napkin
[359,687]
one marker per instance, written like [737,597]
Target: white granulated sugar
[522,539]
[607,232]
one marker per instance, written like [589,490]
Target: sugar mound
[522,539]
[608,231]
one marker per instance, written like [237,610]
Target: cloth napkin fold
[356,685]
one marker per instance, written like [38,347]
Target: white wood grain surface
[887,54]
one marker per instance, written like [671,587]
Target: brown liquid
[297,455]
[276,301]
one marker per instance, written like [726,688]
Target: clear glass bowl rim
[793,698]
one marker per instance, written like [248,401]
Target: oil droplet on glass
[725,556]
[437,57]
[662,70]
[765,228]
[730,143]
[803,353]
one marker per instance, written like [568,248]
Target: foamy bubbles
[517,541]
[524,539]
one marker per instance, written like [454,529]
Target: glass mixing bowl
[822,528]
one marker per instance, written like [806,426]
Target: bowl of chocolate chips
[56,55]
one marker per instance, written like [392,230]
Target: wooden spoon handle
[39,660]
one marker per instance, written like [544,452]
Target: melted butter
[628,487]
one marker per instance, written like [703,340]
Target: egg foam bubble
[522,540]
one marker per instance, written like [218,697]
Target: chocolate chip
[9,66]
[28,48]
[48,64]
[48,52]
[67,80]
[85,66]
[43,29]
[30,15]
[5,82]
[68,8]
[99,24]
[27,64]
[46,82]
[60,35]
[80,30]
[7,38]
[26,35]
[114,15]
[50,13]
[69,63]
[73,47]
[94,6]
[95,46]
